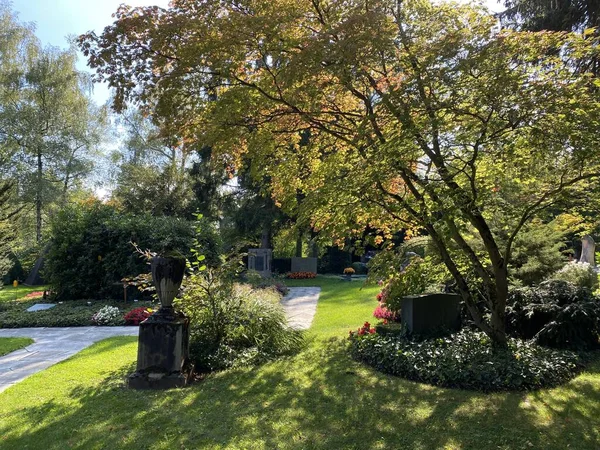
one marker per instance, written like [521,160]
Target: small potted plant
[348,272]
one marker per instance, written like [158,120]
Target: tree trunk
[299,245]
[38,198]
[265,237]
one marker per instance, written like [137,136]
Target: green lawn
[317,399]
[8,345]
[9,293]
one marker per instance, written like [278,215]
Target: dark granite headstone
[431,312]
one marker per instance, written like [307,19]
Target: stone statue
[588,251]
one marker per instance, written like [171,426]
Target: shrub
[91,251]
[301,275]
[137,315]
[233,324]
[360,268]
[579,274]
[108,315]
[466,360]
[555,313]
[254,279]
[349,271]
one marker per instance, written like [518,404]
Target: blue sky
[57,19]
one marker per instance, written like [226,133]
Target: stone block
[304,265]
[428,313]
[41,307]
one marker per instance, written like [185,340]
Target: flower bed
[301,275]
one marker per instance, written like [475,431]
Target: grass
[318,399]
[8,345]
[11,293]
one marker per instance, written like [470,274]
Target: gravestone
[259,259]
[304,265]
[41,307]
[163,341]
[431,312]
[588,251]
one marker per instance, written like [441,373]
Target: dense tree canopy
[421,116]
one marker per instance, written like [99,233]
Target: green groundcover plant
[465,360]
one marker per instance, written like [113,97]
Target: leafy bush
[360,268]
[137,315]
[301,275]
[254,279]
[108,315]
[540,250]
[579,274]
[466,360]
[233,324]
[349,271]
[555,313]
[91,251]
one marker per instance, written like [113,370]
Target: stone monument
[428,313]
[588,251]
[163,342]
[304,264]
[259,259]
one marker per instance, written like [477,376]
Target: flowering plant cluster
[365,329]
[137,315]
[108,315]
[301,275]
[382,313]
[349,271]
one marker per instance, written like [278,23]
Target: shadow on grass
[317,399]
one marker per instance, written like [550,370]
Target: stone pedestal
[163,359]
[163,342]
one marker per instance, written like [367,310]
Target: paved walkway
[300,306]
[53,345]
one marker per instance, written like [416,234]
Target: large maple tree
[378,113]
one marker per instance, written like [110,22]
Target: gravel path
[53,345]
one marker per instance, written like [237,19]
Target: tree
[561,15]
[48,125]
[421,116]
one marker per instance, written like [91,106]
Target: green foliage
[233,324]
[91,248]
[538,251]
[579,274]
[556,314]
[334,260]
[467,360]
